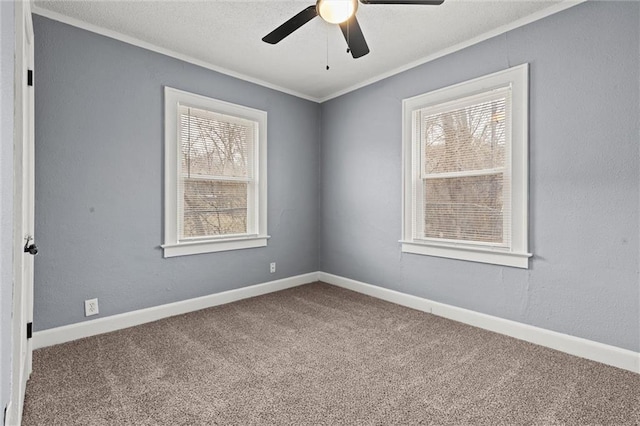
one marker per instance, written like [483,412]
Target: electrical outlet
[272,267]
[90,307]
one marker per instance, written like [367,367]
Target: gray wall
[99,179]
[7,47]
[584,179]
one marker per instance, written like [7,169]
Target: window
[215,175]
[465,151]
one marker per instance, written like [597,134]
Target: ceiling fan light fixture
[336,11]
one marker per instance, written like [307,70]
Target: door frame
[23,211]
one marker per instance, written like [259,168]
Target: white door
[23,210]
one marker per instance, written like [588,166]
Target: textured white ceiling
[227,35]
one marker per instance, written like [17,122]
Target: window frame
[515,255]
[257,198]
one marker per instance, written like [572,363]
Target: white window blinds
[216,178]
[465,170]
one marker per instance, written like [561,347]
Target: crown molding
[164,51]
[559,7]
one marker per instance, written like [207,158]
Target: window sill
[212,246]
[470,253]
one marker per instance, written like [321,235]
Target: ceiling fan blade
[354,37]
[291,25]
[419,2]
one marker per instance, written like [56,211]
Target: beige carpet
[318,354]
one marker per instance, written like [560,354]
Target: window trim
[173,246]
[517,254]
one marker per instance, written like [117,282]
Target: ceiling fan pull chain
[348,38]
[327,27]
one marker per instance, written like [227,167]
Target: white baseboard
[600,352]
[606,354]
[67,333]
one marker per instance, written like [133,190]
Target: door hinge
[29,330]
[29,77]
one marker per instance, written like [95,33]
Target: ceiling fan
[341,12]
